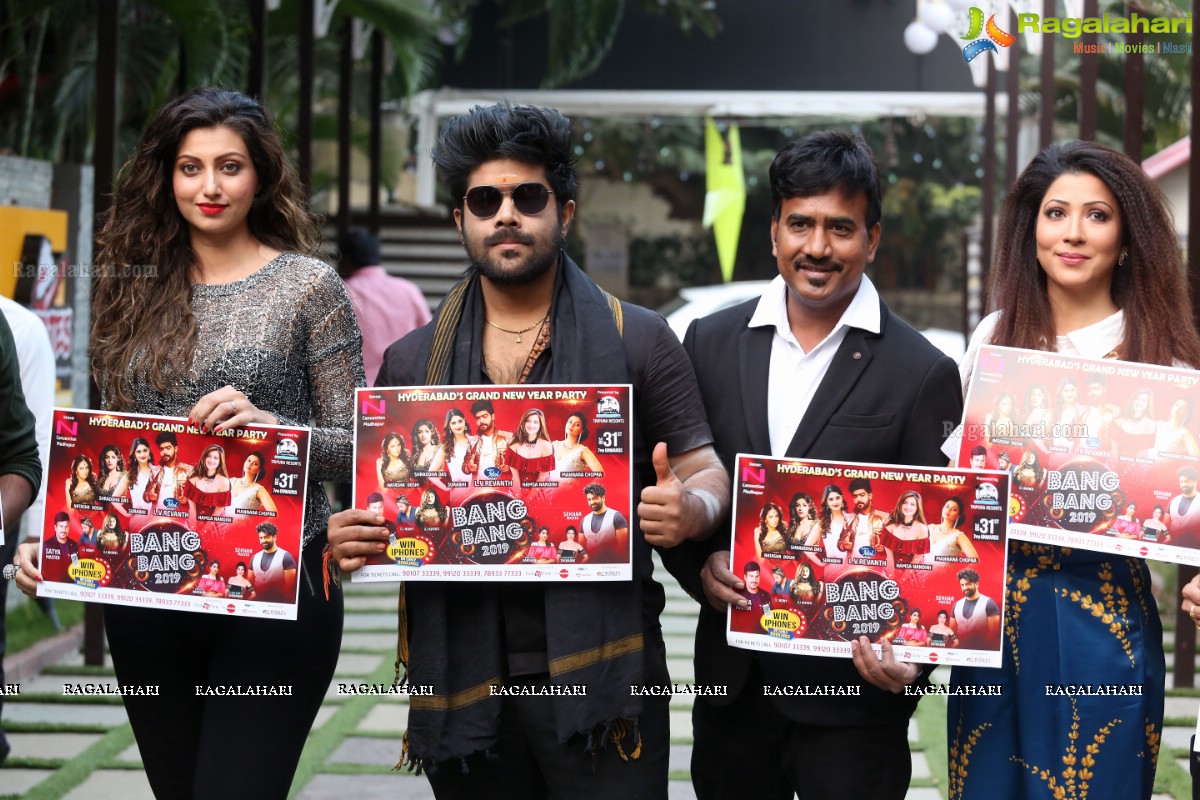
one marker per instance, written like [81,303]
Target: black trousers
[528,762]
[197,746]
[7,552]
[748,748]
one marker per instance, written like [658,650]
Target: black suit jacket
[888,398]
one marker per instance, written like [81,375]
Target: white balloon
[919,39]
[938,17]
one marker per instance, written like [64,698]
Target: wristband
[711,504]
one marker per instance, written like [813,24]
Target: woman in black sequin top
[227,320]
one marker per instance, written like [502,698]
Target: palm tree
[581,32]
[167,46]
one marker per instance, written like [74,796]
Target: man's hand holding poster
[1104,454]
[150,511]
[495,483]
[829,552]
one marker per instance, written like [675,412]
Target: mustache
[808,263]
[508,235]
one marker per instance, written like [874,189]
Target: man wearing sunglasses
[526,313]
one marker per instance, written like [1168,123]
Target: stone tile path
[356,741]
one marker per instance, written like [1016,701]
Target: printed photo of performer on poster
[909,554]
[497,482]
[153,512]
[1103,453]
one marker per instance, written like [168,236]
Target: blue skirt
[1081,706]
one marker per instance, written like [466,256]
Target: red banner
[149,511]
[831,551]
[516,483]
[1104,454]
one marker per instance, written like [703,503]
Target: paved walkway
[83,748]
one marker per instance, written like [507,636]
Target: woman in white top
[946,539]
[1172,435]
[572,455]
[141,472]
[1087,264]
[832,522]
[247,492]
[456,439]
[1067,415]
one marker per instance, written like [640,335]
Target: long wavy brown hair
[142,321]
[1149,287]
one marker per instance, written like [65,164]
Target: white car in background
[694,302]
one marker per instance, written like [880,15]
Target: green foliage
[930,169]
[1166,90]
[673,260]
[581,32]
[26,625]
[167,46]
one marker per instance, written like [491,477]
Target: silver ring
[233,405]
[10,571]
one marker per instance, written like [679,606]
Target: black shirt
[667,408]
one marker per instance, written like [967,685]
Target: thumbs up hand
[663,510]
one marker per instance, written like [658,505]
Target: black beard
[542,256]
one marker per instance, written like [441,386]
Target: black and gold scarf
[450,633]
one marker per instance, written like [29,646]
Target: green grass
[931,729]
[13,762]
[26,625]
[77,770]
[12,726]
[324,740]
[79,669]
[347,768]
[397,735]
[1169,778]
[71,700]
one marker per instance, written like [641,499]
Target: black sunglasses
[529,198]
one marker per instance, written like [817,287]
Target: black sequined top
[286,336]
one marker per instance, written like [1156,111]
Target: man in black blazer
[815,368]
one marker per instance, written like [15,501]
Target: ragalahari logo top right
[984,37]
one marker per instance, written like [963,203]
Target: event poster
[497,483]
[1104,454]
[148,511]
[832,551]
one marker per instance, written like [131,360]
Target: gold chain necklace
[523,330]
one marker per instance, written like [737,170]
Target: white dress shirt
[36,357]
[795,375]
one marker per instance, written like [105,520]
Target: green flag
[725,200]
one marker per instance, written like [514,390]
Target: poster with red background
[1104,454]
[497,483]
[848,550]
[125,526]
